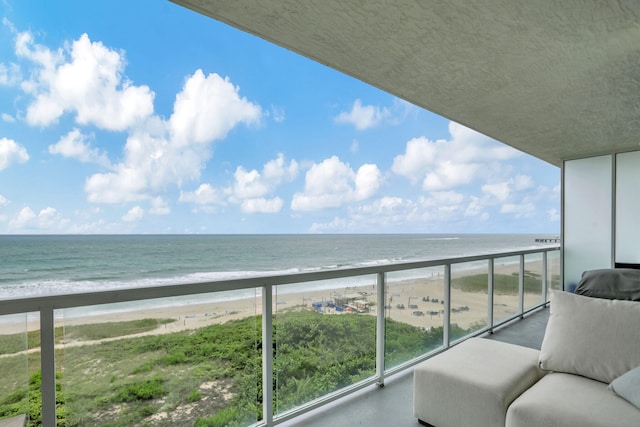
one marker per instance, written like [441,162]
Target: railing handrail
[82,299]
[47,304]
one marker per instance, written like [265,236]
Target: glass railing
[252,351]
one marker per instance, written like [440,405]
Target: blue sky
[145,117]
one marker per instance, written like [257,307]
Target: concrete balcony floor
[392,405]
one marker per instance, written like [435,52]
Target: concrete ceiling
[555,79]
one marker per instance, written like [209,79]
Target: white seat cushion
[592,337]
[570,400]
[473,383]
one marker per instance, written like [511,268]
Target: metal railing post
[446,337]
[545,283]
[267,355]
[380,329]
[48,366]
[521,287]
[491,285]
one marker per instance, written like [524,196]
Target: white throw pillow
[628,386]
[592,337]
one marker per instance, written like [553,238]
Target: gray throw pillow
[610,283]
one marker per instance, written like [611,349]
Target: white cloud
[85,78]
[450,175]
[11,152]
[500,191]
[75,145]
[332,183]
[253,184]
[8,118]
[363,116]
[159,207]
[278,114]
[523,182]
[446,164]
[251,187]
[522,210]
[9,74]
[248,184]
[3,201]
[205,194]
[167,153]
[553,215]
[134,214]
[49,218]
[24,217]
[262,205]
[207,108]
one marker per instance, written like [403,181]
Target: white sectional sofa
[586,374]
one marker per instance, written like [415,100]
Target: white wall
[628,207]
[587,216]
[600,213]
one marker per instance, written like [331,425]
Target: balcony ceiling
[555,79]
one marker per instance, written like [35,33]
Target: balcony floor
[393,404]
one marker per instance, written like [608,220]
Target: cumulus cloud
[49,218]
[332,183]
[23,217]
[262,205]
[166,153]
[134,214]
[159,207]
[205,194]
[11,152]
[86,79]
[253,184]
[77,146]
[207,108]
[249,189]
[447,164]
[9,74]
[8,118]
[3,201]
[363,116]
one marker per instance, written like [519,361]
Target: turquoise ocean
[45,265]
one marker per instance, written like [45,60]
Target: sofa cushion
[627,386]
[592,337]
[570,400]
[611,283]
[473,383]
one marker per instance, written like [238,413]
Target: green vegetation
[503,284]
[212,376]
[14,343]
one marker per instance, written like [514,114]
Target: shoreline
[467,307]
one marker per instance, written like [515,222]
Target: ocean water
[45,265]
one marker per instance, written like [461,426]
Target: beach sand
[468,308]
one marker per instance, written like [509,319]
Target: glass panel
[532,280]
[627,206]
[414,310]
[469,298]
[587,216]
[553,270]
[325,335]
[163,362]
[505,297]
[18,335]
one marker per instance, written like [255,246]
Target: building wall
[600,220]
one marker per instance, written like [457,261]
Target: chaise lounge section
[587,372]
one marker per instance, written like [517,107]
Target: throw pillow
[593,337]
[610,283]
[628,386]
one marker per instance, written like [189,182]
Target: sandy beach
[422,300]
